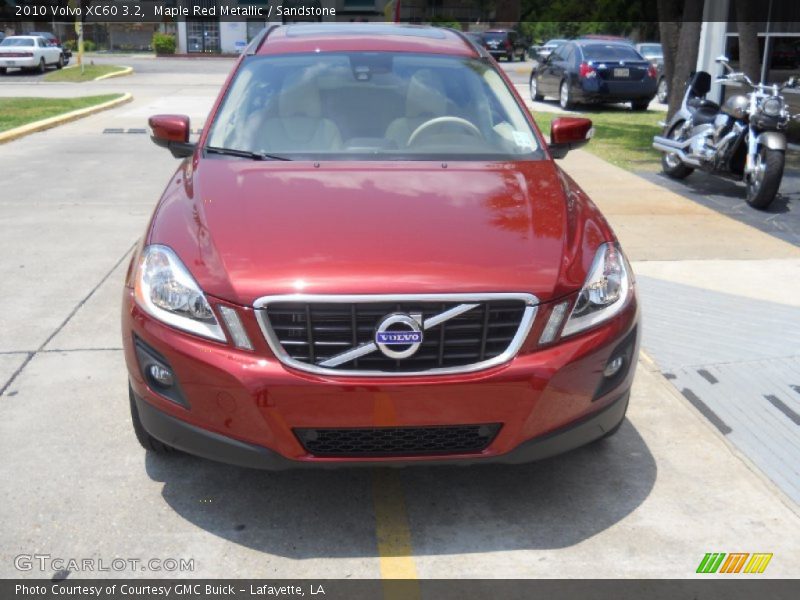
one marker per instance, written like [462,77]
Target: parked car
[54,41]
[476,38]
[28,52]
[283,309]
[504,43]
[654,52]
[595,71]
[542,52]
[785,54]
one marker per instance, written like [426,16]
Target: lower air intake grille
[398,441]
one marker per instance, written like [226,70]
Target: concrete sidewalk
[721,305]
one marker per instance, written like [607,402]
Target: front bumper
[207,444]
[246,407]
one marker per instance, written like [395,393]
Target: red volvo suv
[370,256]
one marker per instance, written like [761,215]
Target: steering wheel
[463,123]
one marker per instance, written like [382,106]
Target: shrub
[442,22]
[88,45]
[163,43]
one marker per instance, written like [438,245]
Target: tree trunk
[685,63]
[679,24]
[749,62]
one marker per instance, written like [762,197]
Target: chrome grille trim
[526,322]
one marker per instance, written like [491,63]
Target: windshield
[610,52]
[17,42]
[372,106]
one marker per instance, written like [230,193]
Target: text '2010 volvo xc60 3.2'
[370,256]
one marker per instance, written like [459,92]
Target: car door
[51,52]
[546,85]
[559,67]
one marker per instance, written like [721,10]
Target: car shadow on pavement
[297,514]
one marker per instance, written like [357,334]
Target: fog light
[161,375]
[614,366]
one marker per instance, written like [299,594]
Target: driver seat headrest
[425,95]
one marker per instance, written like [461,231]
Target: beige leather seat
[299,125]
[425,100]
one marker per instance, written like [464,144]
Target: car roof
[584,41]
[364,37]
[28,37]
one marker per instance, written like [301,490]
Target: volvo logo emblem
[399,335]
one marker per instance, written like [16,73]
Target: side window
[570,54]
[561,53]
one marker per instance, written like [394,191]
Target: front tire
[60,63]
[42,66]
[670,163]
[640,105]
[3,70]
[565,96]
[147,441]
[662,92]
[763,183]
[534,86]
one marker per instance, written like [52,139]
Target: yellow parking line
[394,535]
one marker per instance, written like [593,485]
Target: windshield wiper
[245,153]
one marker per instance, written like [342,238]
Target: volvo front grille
[397,335]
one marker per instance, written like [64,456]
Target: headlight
[167,291]
[607,287]
[772,106]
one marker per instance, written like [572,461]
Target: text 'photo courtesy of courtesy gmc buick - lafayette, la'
[370,256]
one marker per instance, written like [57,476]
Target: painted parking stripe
[391,524]
[781,406]
[709,414]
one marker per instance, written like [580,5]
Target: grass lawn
[21,111]
[622,137]
[73,72]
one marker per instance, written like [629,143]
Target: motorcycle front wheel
[672,165]
[763,183]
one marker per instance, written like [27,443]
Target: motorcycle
[744,139]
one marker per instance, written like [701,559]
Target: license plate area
[622,73]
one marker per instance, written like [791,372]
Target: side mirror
[171,132]
[569,133]
[721,59]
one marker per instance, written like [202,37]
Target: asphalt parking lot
[649,502]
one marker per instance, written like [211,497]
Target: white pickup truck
[28,52]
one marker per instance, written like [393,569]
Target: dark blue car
[595,71]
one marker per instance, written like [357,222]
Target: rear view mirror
[172,132]
[569,133]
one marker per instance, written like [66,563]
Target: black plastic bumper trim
[207,444]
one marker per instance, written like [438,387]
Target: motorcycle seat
[703,111]
[703,103]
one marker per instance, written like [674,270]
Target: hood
[247,229]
